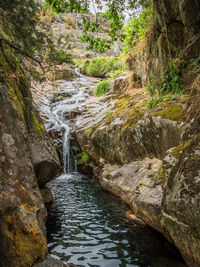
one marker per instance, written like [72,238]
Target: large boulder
[27,160]
[181,206]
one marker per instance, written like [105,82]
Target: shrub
[83,158]
[102,88]
[69,22]
[100,67]
[136,29]
[59,56]
[169,83]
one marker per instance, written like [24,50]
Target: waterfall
[66,150]
[57,115]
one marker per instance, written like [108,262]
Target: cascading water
[58,115]
[87,226]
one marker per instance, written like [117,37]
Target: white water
[58,114]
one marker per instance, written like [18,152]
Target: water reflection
[87,227]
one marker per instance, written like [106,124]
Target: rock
[175,28]
[119,84]
[44,158]
[145,159]
[22,211]
[180,203]
[130,215]
[51,262]
[138,185]
[46,195]
[121,131]
[161,189]
[86,169]
[61,74]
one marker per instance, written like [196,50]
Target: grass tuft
[102,88]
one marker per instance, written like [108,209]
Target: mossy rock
[177,152]
[158,176]
[172,112]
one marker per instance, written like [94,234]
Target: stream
[87,226]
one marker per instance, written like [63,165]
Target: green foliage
[136,29]
[100,67]
[114,13]
[58,56]
[23,30]
[115,73]
[102,88]
[18,24]
[170,82]
[83,158]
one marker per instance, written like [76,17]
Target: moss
[88,131]
[133,118]
[176,152]
[83,158]
[38,127]
[12,78]
[158,175]
[120,101]
[108,117]
[109,177]
[171,111]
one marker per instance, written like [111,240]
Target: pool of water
[87,227]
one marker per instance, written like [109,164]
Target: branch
[21,52]
[8,4]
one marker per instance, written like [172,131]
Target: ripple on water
[87,227]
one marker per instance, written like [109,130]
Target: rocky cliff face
[150,157]
[28,160]
[174,35]
[145,159]
[66,30]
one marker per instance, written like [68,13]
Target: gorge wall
[28,160]
[150,157]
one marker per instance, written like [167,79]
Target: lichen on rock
[24,144]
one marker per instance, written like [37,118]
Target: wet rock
[86,169]
[46,195]
[51,262]
[130,215]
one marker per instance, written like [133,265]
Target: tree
[115,14]
[20,30]
[18,25]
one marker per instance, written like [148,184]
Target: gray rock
[51,262]
[25,153]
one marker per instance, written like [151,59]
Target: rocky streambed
[87,226]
